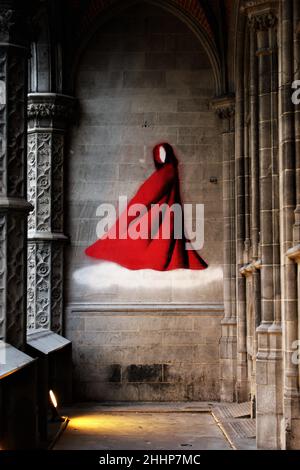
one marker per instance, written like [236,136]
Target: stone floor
[143,426]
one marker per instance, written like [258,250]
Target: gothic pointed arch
[192,13]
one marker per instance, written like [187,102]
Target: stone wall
[143,78]
[146,354]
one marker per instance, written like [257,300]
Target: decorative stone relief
[43,180]
[38,184]
[15,125]
[57,288]
[31,177]
[43,272]
[45,192]
[31,300]
[15,281]
[262,21]
[52,110]
[13,205]
[57,182]
[38,285]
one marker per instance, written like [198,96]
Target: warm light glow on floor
[96,429]
[105,423]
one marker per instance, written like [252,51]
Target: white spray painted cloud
[105,275]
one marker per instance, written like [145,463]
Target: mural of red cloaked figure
[151,249]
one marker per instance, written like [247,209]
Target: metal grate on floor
[233,410]
[243,429]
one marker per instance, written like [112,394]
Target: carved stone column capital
[50,110]
[262,14]
[224,106]
[262,21]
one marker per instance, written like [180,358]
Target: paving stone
[132,429]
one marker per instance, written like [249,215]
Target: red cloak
[149,251]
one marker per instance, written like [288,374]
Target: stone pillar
[296,76]
[225,108]
[255,204]
[13,205]
[242,390]
[48,116]
[263,20]
[290,187]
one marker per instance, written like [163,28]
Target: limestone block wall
[143,79]
[144,353]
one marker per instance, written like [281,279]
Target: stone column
[247,191]
[255,204]
[242,389]
[13,205]
[48,116]
[296,76]
[263,20]
[290,187]
[225,108]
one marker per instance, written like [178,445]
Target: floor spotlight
[53,407]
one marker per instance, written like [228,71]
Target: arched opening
[190,13]
[143,78]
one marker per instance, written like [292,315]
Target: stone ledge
[46,341]
[46,236]
[12,360]
[15,203]
[229,321]
[137,309]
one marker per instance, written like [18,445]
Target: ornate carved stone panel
[13,205]
[31,297]
[39,269]
[16,68]
[57,182]
[31,177]
[15,282]
[57,287]
[45,286]
[48,118]
[45,181]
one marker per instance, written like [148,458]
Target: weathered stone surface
[179,352]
